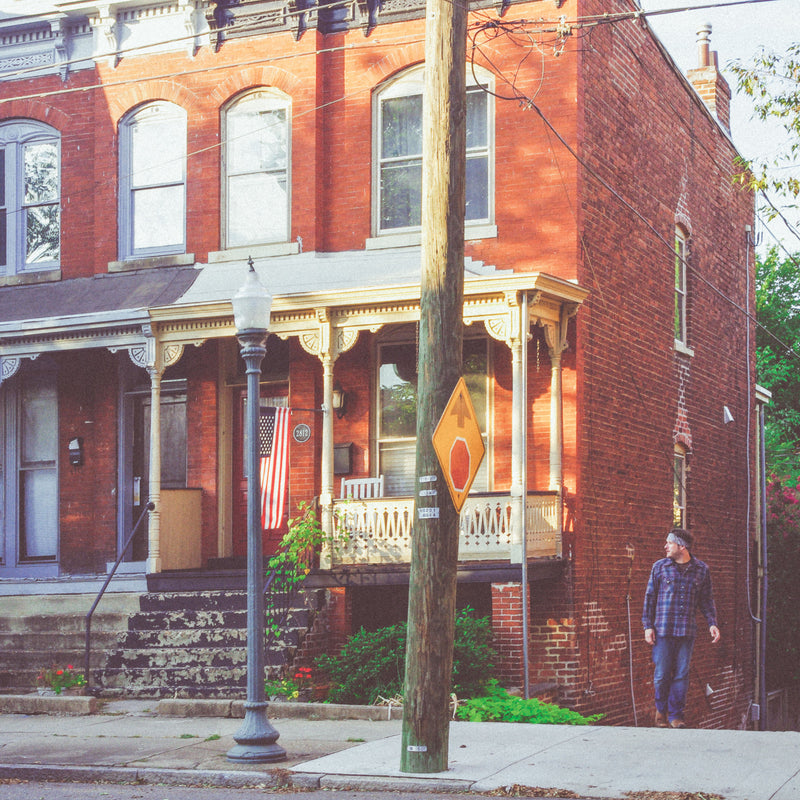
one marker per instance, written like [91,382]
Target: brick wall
[88,499]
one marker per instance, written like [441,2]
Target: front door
[271,538]
[173,460]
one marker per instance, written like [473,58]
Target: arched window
[256,183]
[153,181]
[397,182]
[30,197]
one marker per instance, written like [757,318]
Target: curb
[62,705]
[277,778]
[55,705]
[311,711]
[170,777]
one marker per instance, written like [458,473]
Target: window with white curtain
[30,197]
[256,182]
[38,468]
[153,181]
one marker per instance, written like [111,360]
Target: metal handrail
[150,506]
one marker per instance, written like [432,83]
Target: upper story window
[397,182]
[153,181]
[30,197]
[256,169]
[679,487]
[681,251]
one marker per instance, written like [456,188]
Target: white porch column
[518,344]
[155,357]
[556,338]
[327,343]
[326,489]
[512,328]
[155,371]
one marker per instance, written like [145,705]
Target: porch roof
[313,293]
[97,296]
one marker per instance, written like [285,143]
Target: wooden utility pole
[434,554]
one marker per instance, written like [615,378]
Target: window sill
[414,238]
[152,262]
[22,278]
[683,349]
[256,251]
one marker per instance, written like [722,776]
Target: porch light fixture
[256,739]
[339,400]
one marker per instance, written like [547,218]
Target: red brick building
[151,150]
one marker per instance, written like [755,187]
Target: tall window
[153,181]
[679,487]
[397,412]
[256,169]
[680,286]
[30,197]
[398,157]
[38,473]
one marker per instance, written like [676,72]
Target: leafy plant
[499,706]
[60,678]
[783,609]
[289,688]
[290,566]
[372,663]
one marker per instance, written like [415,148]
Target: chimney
[708,81]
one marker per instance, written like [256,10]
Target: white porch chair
[362,488]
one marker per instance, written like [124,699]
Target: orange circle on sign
[459,464]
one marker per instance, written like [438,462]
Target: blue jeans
[671,656]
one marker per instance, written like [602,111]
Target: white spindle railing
[379,531]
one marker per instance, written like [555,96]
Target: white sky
[738,33]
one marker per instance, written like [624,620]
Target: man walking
[679,584]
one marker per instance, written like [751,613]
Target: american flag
[273,449]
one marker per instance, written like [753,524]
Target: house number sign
[301,433]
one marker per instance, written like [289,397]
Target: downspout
[763,577]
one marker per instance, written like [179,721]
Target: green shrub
[372,663]
[499,706]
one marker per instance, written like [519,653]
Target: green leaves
[499,706]
[372,663]
[772,80]
[778,357]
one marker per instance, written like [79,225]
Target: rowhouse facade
[151,151]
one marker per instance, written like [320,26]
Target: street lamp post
[256,739]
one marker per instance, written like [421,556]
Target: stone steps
[39,631]
[193,645]
[158,644]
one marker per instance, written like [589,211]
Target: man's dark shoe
[677,723]
[661,720]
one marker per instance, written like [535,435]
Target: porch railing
[379,531]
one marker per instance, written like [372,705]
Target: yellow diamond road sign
[458,444]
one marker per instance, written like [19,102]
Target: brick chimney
[708,81]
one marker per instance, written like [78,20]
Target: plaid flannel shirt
[673,598]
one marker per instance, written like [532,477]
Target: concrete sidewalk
[168,742]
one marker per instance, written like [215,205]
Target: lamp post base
[256,740]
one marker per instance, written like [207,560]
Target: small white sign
[428,493]
[427,478]
[429,513]
[417,748]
